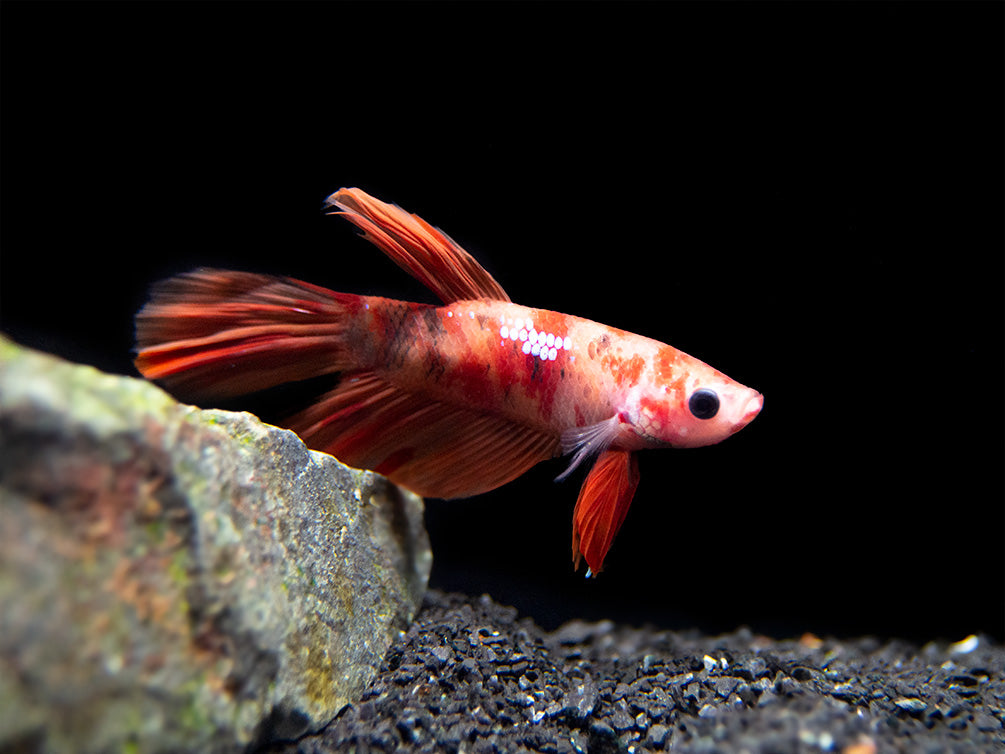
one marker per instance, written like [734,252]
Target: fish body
[547,370]
[452,400]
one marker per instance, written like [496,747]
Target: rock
[911,704]
[656,735]
[182,580]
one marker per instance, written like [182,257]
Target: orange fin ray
[217,333]
[432,448]
[602,506]
[424,252]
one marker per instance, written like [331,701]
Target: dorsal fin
[424,252]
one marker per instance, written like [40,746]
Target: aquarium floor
[472,676]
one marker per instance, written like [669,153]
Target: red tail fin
[217,333]
[424,252]
[602,506]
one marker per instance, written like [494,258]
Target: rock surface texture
[174,579]
[470,676]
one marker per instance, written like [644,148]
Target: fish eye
[704,403]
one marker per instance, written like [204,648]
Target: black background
[807,196]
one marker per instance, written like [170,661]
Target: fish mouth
[751,410]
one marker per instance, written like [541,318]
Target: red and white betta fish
[448,401]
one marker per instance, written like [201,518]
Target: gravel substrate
[471,676]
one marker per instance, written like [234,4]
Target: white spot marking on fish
[527,347]
[504,332]
[551,339]
[514,333]
[558,341]
[535,349]
[523,334]
[518,323]
[552,352]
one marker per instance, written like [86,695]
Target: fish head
[690,405]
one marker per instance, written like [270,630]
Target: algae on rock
[179,579]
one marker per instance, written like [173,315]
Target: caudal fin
[211,334]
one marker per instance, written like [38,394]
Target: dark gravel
[472,676]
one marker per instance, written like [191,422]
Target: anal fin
[430,447]
[602,506]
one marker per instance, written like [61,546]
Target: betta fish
[448,401]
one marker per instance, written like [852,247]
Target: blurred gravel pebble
[471,676]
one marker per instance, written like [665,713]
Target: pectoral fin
[602,506]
